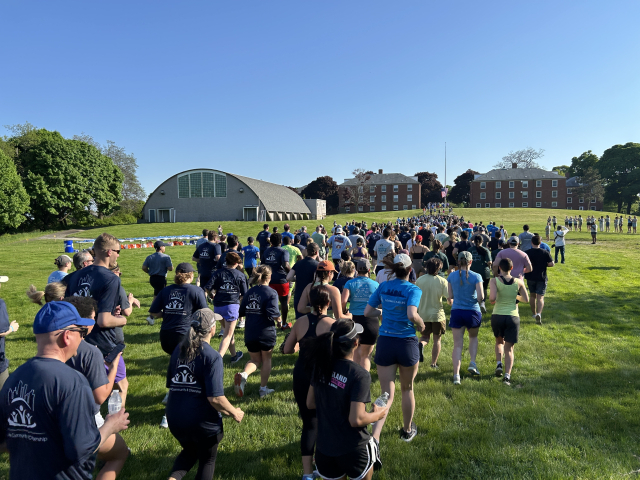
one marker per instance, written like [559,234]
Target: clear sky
[286,91]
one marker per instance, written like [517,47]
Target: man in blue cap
[47,408]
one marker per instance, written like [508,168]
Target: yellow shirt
[433,289]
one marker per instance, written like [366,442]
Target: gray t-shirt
[354,239]
[525,240]
[158,263]
[90,363]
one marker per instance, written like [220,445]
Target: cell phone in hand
[111,356]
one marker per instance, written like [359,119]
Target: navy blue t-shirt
[260,307]
[4,326]
[104,287]
[263,239]
[189,413]
[90,363]
[341,282]
[304,238]
[404,237]
[276,258]
[177,303]
[47,419]
[222,262]
[206,254]
[229,284]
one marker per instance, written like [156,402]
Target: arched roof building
[203,195]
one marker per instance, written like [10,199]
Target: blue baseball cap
[57,316]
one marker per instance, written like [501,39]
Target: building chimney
[379,171]
[514,165]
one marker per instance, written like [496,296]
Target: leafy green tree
[619,166]
[590,186]
[580,165]
[14,201]
[67,180]
[430,187]
[561,169]
[461,187]
[323,188]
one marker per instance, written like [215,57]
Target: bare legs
[362,356]
[437,346]
[387,376]
[260,360]
[458,345]
[228,340]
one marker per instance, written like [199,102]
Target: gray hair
[81,257]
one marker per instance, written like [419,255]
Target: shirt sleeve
[4,317]
[95,372]
[213,376]
[285,257]
[123,300]
[374,299]
[196,254]
[75,417]
[273,309]
[361,388]
[156,306]
[168,263]
[200,301]
[242,311]
[110,295]
[242,284]
[146,262]
[413,297]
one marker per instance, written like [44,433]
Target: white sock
[244,375]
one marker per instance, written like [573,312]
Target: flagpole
[445,175]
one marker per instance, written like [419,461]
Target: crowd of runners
[356,288]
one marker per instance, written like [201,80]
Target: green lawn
[572,410]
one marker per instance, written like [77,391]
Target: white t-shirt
[558,237]
[382,248]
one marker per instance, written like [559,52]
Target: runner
[338,243]
[464,293]
[430,309]
[304,236]
[339,391]
[594,233]
[482,266]
[53,402]
[417,253]
[323,276]
[537,279]
[309,326]
[347,271]
[357,292]
[251,256]
[525,239]
[63,262]
[521,263]
[197,401]
[206,256]
[448,248]
[156,266]
[383,247]
[321,240]
[359,251]
[397,346]
[228,285]
[278,260]
[287,233]
[506,291]
[437,253]
[302,274]
[263,239]
[260,306]
[200,241]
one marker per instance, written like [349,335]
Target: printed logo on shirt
[184,374]
[338,381]
[254,303]
[271,257]
[204,253]
[22,415]
[228,287]
[85,287]
[176,302]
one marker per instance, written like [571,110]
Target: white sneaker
[163,422]
[241,323]
[151,320]
[165,399]
[483,309]
[456,379]
[538,319]
[266,391]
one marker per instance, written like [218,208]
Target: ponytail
[321,352]
[202,321]
[463,262]
[260,274]
[52,292]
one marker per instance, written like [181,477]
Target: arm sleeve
[200,300]
[273,309]
[209,285]
[374,299]
[156,306]
[213,376]
[361,389]
[75,417]
[110,295]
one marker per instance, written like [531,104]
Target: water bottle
[115,402]
[382,400]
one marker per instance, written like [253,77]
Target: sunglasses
[83,331]
[117,251]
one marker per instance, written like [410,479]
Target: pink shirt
[519,259]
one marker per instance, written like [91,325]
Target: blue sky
[289,91]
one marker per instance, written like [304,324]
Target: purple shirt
[519,259]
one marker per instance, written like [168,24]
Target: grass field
[572,412]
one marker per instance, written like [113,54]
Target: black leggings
[202,451]
[309,420]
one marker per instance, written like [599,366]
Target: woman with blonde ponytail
[53,292]
[465,291]
[197,401]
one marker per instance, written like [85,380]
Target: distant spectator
[63,262]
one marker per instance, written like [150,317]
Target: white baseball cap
[4,279]
[402,258]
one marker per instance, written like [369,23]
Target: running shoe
[456,379]
[241,323]
[239,382]
[473,370]
[165,399]
[539,319]
[483,308]
[221,334]
[507,380]
[499,369]
[410,435]
[151,320]
[435,366]
[377,465]
[163,422]
[236,357]
[421,350]
[266,391]
[286,326]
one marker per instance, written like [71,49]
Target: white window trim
[498,184]
[538,194]
[188,175]
[483,185]
[498,195]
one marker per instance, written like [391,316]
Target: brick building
[526,188]
[383,192]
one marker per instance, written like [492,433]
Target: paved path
[62,235]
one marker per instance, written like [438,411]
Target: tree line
[50,182]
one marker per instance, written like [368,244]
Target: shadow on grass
[604,268]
